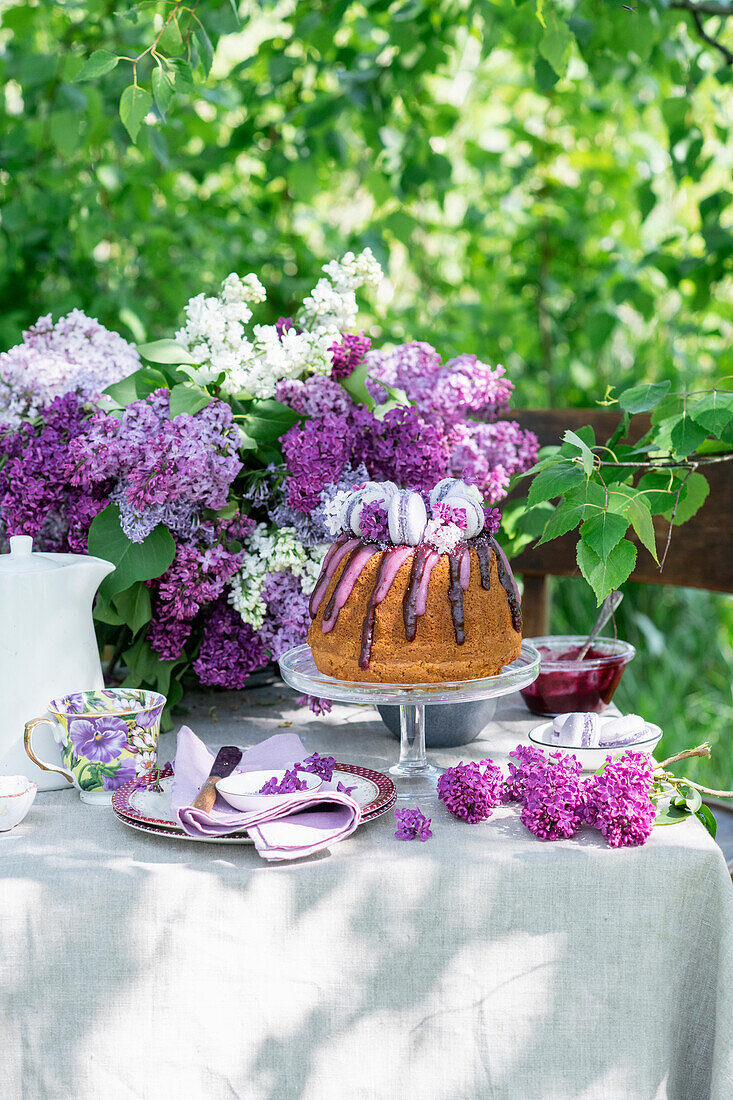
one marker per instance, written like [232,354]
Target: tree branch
[703,34]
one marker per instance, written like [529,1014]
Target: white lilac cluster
[271,551]
[331,305]
[253,360]
[75,354]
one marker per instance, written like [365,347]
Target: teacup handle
[29,727]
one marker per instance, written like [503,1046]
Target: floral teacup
[107,737]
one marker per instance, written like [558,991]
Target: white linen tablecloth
[483,963]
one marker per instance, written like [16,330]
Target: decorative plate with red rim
[141,806]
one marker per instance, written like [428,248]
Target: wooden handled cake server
[226,761]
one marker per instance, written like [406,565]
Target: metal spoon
[608,607]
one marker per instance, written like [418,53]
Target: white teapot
[47,646]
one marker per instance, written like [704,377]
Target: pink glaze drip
[388,569]
[345,584]
[336,553]
[465,568]
[421,599]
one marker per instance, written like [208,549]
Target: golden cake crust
[433,656]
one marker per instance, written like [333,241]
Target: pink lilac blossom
[412,825]
[320,765]
[492,521]
[76,354]
[553,798]
[529,760]
[344,790]
[318,706]
[471,791]
[287,785]
[35,495]
[489,454]
[348,354]
[617,801]
[444,392]
[230,649]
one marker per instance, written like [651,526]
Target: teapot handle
[29,727]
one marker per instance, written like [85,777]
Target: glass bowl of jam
[566,684]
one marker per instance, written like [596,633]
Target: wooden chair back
[700,553]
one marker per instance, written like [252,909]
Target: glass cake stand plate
[416,776]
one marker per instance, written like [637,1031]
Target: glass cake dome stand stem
[417,776]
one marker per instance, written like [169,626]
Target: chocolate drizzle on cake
[455,594]
[411,603]
[388,569]
[506,580]
[483,553]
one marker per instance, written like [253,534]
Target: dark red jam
[576,688]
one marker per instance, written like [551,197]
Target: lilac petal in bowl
[242,789]
[592,758]
[16,797]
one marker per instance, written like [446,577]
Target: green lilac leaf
[267,420]
[603,531]
[165,351]
[133,561]
[135,103]
[143,382]
[554,481]
[186,398]
[641,521]
[99,63]
[643,397]
[705,814]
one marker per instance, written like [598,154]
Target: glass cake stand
[417,777]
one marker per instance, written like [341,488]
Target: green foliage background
[546,184]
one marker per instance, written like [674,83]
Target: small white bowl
[16,798]
[242,789]
[592,758]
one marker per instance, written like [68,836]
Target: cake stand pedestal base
[415,777]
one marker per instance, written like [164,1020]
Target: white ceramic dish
[242,789]
[16,798]
[592,758]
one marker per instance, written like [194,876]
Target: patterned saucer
[140,806]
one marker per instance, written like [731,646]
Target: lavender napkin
[297,825]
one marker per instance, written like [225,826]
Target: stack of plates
[145,803]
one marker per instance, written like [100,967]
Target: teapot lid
[21,558]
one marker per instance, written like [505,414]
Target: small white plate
[242,789]
[592,758]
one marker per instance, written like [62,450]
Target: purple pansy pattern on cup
[109,736]
[100,738]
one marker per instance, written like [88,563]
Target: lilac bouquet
[212,474]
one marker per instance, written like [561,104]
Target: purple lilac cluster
[287,785]
[348,354]
[489,454]
[552,804]
[412,825]
[288,618]
[472,791]
[230,649]
[320,765]
[35,495]
[196,577]
[315,396]
[445,392]
[617,801]
[523,761]
[373,521]
[147,460]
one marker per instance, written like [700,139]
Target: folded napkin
[298,824]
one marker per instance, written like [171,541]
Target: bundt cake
[414,589]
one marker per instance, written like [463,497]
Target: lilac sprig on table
[412,825]
[344,790]
[289,784]
[472,791]
[319,765]
[554,798]
[618,800]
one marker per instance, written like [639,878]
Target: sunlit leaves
[643,397]
[100,62]
[135,103]
[606,573]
